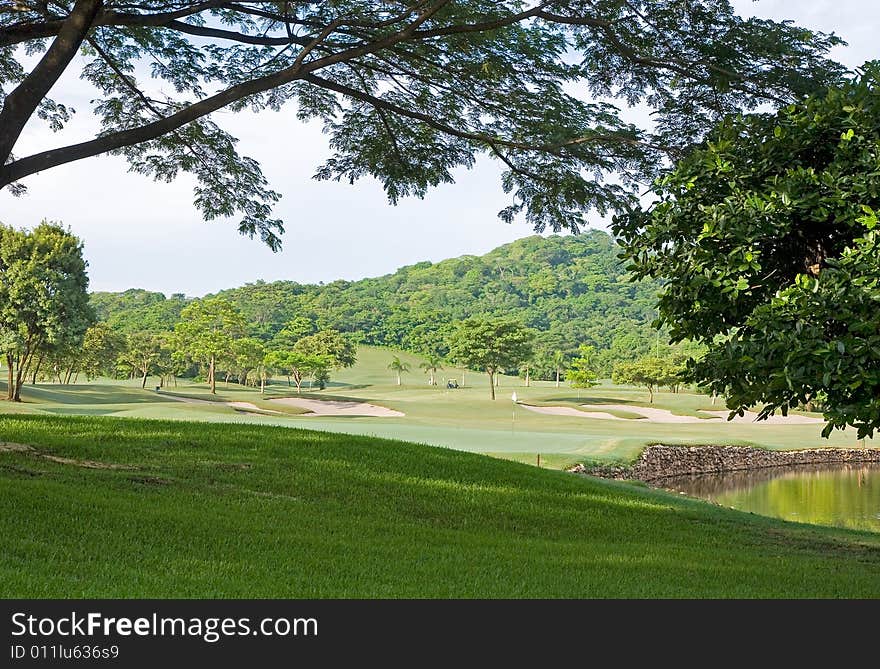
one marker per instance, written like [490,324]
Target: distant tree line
[242,336]
[571,290]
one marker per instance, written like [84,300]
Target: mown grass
[252,511]
[464,419]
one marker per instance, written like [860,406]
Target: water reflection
[838,495]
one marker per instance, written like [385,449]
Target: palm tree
[559,364]
[432,364]
[399,367]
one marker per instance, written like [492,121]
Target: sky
[142,234]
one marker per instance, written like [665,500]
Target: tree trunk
[37,370]
[491,384]
[144,380]
[23,100]
[18,376]
[10,379]
[211,378]
[23,363]
[528,378]
[557,377]
[650,395]
[398,378]
[262,384]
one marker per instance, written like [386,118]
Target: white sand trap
[569,411]
[652,415]
[751,416]
[250,406]
[337,408]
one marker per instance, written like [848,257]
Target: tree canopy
[492,345]
[581,372]
[43,297]
[767,240]
[571,289]
[406,91]
[649,371]
[207,332]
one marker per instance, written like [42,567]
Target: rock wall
[658,461]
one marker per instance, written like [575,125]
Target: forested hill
[573,289]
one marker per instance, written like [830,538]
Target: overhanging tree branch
[431,83]
[21,103]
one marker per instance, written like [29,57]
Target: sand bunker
[338,408]
[647,415]
[247,407]
[652,415]
[751,416]
[252,408]
[316,407]
[569,411]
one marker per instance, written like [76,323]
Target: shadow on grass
[74,411]
[305,395]
[89,394]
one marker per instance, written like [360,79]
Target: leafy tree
[43,297]
[592,301]
[167,365]
[582,372]
[100,348]
[399,367]
[62,359]
[246,356]
[650,371]
[559,364]
[491,345]
[136,310]
[406,91]
[333,345]
[766,238]
[431,364]
[142,352]
[525,370]
[297,365]
[207,331]
[294,330]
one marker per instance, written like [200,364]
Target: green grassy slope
[247,511]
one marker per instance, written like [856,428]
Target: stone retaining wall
[659,461]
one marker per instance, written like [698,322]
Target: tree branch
[219,33]
[21,103]
[26,166]
[23,32]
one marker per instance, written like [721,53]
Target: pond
[837,495]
